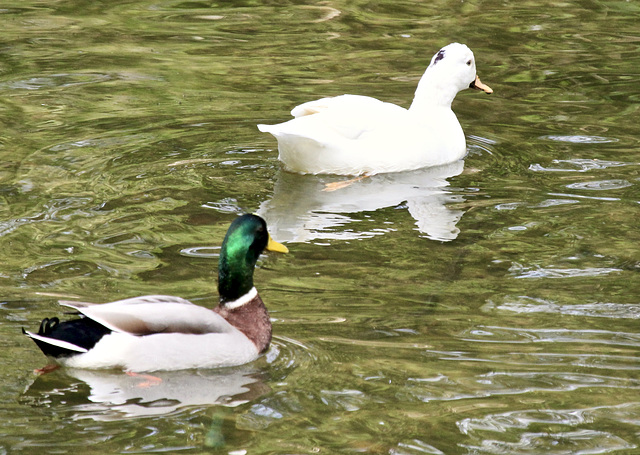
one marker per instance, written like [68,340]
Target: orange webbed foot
[333,186]
[46,369]
[149,380]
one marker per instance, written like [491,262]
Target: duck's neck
[235,277]
[432,95]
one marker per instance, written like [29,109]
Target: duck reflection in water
[113,395]
[302,211]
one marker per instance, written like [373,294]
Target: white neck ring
[237,303]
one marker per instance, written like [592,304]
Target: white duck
[159,332]
[355,135]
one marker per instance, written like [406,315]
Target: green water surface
[489,307]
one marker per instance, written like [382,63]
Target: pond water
[488,307]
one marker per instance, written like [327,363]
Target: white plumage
[354,135]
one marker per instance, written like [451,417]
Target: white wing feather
[334,119]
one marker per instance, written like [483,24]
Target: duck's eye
[469,62]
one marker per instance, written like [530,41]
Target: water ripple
[573,442]
[513,382]
[495,384]
[578,165]
[286,353]
[601,185]
[413,447]
[374,343]
[554,202]
[490,334]
[538,359]
[595,309]
[580,196]
[580,139]
[346,399]
[225,205]
[201,252]
[554,272]
[56,80]
[626,413]
[577,441]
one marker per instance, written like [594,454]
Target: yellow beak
[275,246]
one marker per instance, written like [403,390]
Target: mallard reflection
[113,395]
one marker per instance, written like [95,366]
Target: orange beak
[478,85]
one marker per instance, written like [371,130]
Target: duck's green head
[246,239]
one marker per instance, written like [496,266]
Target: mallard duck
[159,332]
[355,135]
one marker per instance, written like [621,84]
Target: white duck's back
[353,135]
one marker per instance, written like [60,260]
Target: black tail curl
[82,332]
[48,325]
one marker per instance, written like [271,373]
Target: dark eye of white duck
[469,62]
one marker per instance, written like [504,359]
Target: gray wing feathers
[151,314]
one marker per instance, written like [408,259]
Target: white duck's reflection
[300,211]
[115,395]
